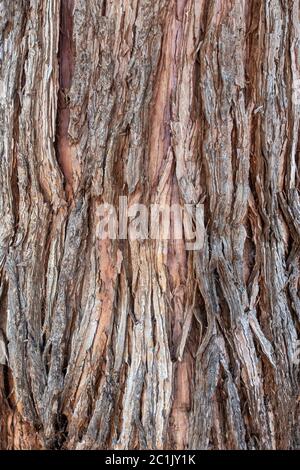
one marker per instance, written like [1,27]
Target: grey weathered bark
[166,101]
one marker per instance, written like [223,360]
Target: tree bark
[129,344]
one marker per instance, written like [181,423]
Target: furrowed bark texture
[129,344]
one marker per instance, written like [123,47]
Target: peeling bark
[129,344]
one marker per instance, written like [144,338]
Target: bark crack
[65,61]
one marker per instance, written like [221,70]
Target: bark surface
[125,344]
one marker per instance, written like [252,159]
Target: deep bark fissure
[65,67]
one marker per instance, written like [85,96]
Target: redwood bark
[129,344]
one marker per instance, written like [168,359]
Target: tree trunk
[143,344]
